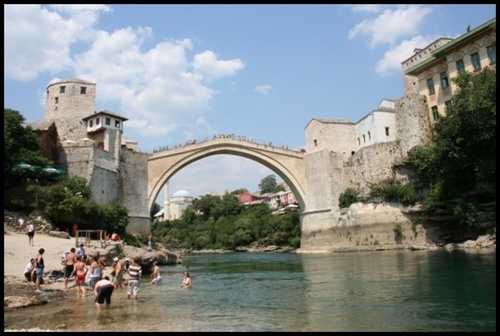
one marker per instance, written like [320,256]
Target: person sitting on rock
[115,239]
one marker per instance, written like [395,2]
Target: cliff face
[371,226]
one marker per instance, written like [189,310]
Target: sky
[189,72]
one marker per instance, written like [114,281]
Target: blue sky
[186,72]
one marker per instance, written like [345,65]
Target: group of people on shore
[88,271]
[33,271]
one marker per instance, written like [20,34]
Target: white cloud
[206,63]
[158,89]
[263,89]
[392,25]
[367,8]
[391,62]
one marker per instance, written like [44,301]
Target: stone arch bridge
[287,164]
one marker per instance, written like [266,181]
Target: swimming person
[187,283]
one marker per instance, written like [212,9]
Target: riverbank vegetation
[211,222]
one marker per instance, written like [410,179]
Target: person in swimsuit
[102,292]
[156,274]
[69,263]
[80,270]
[186,282]
[39,266]
[95,271]
[118,273]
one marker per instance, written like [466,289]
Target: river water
[353,291]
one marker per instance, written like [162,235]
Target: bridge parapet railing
[224,137]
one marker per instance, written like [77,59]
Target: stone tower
[68,101]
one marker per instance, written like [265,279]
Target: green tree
[228,206]
[267,184]
[20,143]
[205,205]
[466,138]
[239,191]
[154,210]
[424,161]
[462,159]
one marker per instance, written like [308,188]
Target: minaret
[166,204]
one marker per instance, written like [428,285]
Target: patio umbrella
[24,169]
[51,171]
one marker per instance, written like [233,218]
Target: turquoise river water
[413,291]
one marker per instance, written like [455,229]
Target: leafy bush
[391,190]
[348,197]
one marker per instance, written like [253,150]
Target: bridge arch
[287,164]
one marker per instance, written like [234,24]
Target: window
[108,121]
[476,62]
[117,124]
[435,113]
[97,121]
[387,131]
[315,143]
[369,136]
[359,142]
[430,86]
[57,100]
[460,66]
[492,53]
[62,89]
[444,80]
[364,139]
[83,90]
[91,123]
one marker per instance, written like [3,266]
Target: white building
[176,205]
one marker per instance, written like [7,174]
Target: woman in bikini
[186,282]
[80,270]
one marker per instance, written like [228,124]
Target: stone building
[91,145]
[430,70]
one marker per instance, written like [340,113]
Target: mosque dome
[181,193]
